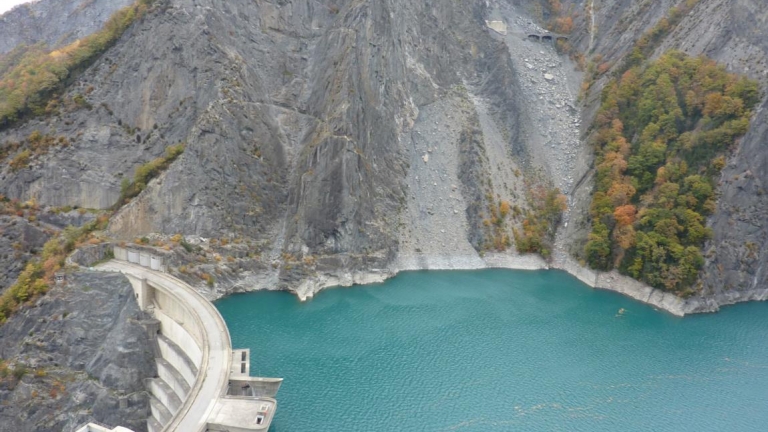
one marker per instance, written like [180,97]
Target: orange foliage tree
[662,131]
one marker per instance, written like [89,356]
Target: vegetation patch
[31,76]
[495,226]
[145,173]
[662,133]
[38,274]
[560,18]
[36,144]
[36,277]
[537,234]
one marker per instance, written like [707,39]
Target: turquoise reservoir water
[500,350]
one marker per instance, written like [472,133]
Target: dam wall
[180,338]
[202,384]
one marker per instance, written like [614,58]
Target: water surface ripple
[502,350]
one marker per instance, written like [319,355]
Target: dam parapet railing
[202,384]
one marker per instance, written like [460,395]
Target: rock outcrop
[20,240]
[85,353]
[54,22]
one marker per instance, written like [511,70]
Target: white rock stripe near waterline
[612,281]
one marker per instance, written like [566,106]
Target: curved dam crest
[202,383]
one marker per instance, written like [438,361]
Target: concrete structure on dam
[203,385]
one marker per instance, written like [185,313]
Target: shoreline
[612,281]
[416,262]
[608,281]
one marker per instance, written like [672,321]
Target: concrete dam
[203,385]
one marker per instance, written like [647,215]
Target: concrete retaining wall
[182,316]
[159,411]
[133,257]
[164,393]
[120,253]
[179,335]
[176,357]
[180,342]
[195,356]
[173,377]
[150,260]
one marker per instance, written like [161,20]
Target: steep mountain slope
[731,33]
[341,141]
[54,22]
[293,116]
[81,355]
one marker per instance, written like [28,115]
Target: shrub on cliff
[148,171]
[538,230]
[37,276]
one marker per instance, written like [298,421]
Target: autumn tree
[662,132]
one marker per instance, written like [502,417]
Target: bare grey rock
[87,355]
[54,22]
[20,240]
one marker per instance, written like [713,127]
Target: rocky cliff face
[338,137]
[732,33]
[296,117]
[85,354]
[20,240]
[54,22]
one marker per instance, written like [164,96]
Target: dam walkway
[203,385]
